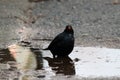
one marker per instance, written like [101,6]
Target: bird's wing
[56,40]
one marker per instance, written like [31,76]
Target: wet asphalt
[95,22]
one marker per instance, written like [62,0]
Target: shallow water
[23,62]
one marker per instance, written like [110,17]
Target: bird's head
[69,29]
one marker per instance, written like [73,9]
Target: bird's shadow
[61,65]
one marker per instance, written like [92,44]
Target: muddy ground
[95,22]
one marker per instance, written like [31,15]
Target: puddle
[97,62]
[25,63]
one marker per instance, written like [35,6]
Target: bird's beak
[69,28]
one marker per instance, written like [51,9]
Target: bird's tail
[45,49]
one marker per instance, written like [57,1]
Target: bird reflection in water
[62,65]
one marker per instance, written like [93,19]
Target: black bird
[63,43]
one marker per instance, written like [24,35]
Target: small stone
[76,59]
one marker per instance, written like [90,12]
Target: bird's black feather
[62,45]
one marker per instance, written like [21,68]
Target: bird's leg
[53,56]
